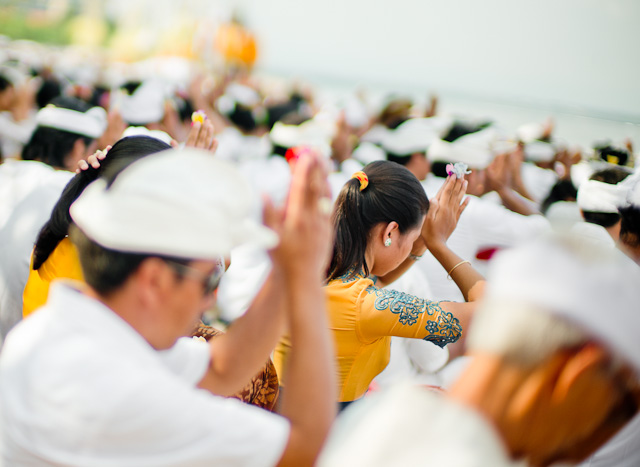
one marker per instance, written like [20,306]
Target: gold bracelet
[454,268]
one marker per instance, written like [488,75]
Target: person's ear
[391,230]
[77,153]
[154,279]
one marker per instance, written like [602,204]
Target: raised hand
[115,128]
[444,212]
[499,173]
[201,136]
[304,225]
[93,160]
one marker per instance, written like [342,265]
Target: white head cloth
[595,196]
[91,123]
[237,93]
[539,151]
[368,152]
[474,149]
[181,203]
[632,185]
[143,131]
[145,105]
[530,132]
[592,285]
[317,133]
[414,135]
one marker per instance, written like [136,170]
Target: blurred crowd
[361,303]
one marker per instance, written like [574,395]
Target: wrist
[419,251]
[437,246]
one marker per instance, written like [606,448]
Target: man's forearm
[242,351]
[310,398]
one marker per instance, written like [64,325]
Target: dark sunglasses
[209,281]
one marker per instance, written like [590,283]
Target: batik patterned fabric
[262,390]
[363,318]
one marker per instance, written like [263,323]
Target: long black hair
[57,227]
[393,194]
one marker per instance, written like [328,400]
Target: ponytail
[392,193]
[57,227]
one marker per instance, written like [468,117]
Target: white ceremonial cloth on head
[595,196]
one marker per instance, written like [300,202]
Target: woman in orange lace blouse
[383,224]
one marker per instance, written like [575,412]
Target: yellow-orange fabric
[63,263]
[362,318]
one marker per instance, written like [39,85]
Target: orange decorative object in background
[236,44]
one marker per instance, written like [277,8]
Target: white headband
[632,185]
[91,123]
[595,196]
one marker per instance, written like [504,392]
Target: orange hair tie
[362,178]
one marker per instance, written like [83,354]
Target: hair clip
[362,177]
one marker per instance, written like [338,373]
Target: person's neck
[125,304]
[614,231]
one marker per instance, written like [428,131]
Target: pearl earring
[387,242]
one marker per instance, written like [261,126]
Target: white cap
[91,123]
[182,203]
[595,196]
[145,105]
[473,149]
[594,286]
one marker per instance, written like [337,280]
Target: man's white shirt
[79,386]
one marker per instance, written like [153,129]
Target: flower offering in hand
[198,116]
[459,169]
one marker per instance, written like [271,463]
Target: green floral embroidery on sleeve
[407,307]
[445,330]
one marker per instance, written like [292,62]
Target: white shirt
[250,266]
[14,135]
[28,191]
[482,225]
[623,450]
[409,426]
[80,387]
